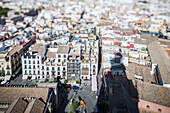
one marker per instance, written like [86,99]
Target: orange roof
[23,44]
[117,43]
[167,48]
[73,57]
[168,51]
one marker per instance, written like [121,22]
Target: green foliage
[74,105]
[31,85]
[77,81]
[143,49]
[4,11]
[55,79]
[65,81]
[46,80]
[95,31]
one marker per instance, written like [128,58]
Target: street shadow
[118,93]
[63,92]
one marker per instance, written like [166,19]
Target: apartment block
[43,62]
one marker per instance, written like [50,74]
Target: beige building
[2,65]
[10,62]
[13,60]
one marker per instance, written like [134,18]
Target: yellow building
[13,61]
[2,65]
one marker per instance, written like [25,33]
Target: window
[64,60]
[38,66]
[53,60]
[25,72]
[58,68]
[29,67]
[64,56]
[33,66]
[58,73]
[117,73]
[25,61]
[159,110]
[33,56]
[7,67]
[33,62]
[29,62]
[38,62]
[42,67]
[148,106]
[94,66]
[43,73]
[38,57]
[48,60]
[47,73]
[59,56]
[34,72]
[58,60]
[52,68]
[38,72]
[8,73]
[64,68]
[47,68]
[30,72]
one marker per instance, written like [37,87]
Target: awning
[77,64]
[117,43]
[94,83]
[2,73]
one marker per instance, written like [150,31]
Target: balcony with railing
[64,70]
[69,72]
[59,64]
[2,73]
[7,67]
[72,68]
[8,73]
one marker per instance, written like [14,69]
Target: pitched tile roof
[51,54]
[17,92]
[14,50]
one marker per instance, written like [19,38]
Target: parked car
[3,82]
[68,86]
[75,87]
